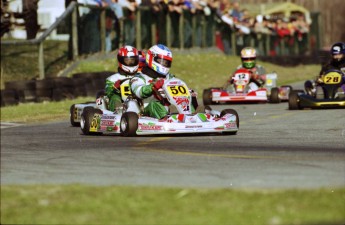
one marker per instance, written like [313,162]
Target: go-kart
[77,109]
[327,93]
[129,119]
[242,90]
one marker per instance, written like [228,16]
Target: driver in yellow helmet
[248,57]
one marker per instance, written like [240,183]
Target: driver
[338,59]
[337,62]
[156,71]
[128,64]
[248,58]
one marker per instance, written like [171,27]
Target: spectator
[113,16]
[129,6]
[90,32]
[226,25]
[235,12]
[188,13]
[301,35]
[175,11]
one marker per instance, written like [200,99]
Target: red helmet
[128,58]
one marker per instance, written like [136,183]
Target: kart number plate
[125,90]
[94,123]
[178,90]
[332,78]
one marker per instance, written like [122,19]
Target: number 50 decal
[178,90]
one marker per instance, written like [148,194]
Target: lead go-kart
[129,120]
[77,109]
[326,93]
[244,91]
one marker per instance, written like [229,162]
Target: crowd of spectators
[203,22]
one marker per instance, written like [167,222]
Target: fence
[89,33]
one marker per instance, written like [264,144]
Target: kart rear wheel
[207,97]
[72,114]
[294,100]
[274,97]
[234,112]
[129,124]
[86,120]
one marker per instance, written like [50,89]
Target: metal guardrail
[71,9]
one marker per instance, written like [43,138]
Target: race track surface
[274,148]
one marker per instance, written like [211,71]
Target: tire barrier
[54,89]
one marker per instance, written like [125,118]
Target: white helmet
[128,58]
[159,59]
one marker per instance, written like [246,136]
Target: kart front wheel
[87,120]
[294,100]
[129,124]
[274,97]
[234,112]
[73,114]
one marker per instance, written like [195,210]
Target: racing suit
[113,89]
[310,86]
[141,86]
[257,72]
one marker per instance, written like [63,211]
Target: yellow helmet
[248,56]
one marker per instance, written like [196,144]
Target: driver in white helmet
[152,76]
[248,57]
[128,64]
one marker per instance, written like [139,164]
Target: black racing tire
[234,112]
[195,103]
[72,113]
[129,124]
[294,101]
[207,97]
[86,120]
[274,97]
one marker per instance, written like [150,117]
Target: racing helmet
[248,57]
[142,60]
[159,59]
[338,51]
[128,58]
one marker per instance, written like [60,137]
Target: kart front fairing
[173,124]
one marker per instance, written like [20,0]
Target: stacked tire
[54,89]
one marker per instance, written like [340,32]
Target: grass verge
[80,204]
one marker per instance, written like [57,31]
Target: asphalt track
[274,148]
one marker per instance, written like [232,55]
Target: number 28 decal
[332,78]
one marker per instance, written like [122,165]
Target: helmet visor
[163,60]
[130,61]
[248,59]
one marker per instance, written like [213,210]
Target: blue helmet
[159,59]
[338,48]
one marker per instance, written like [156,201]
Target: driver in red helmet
[128,64]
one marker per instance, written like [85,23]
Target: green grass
[81,204]
[38,112]
[21,62]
